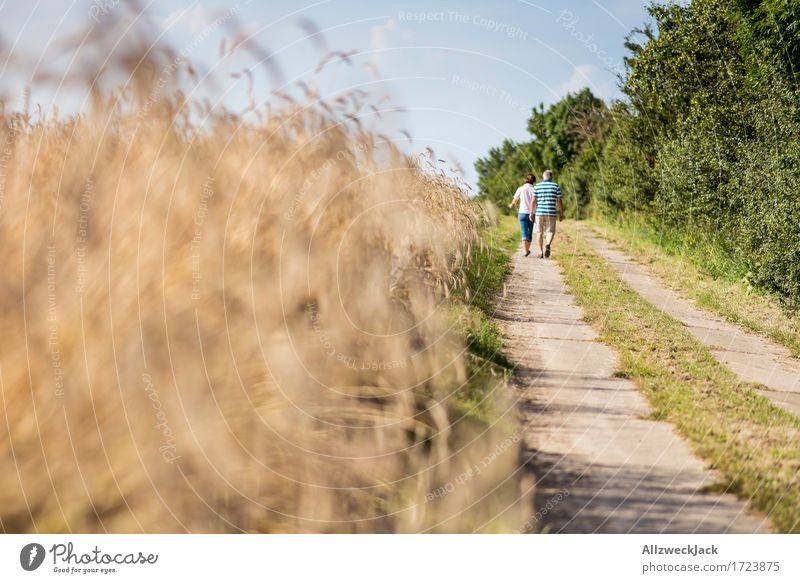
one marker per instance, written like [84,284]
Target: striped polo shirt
[546,194]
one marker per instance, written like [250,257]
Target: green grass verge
[703,275]
[472,308]
[753,444]
[698,247]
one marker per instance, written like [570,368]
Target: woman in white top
[524,197]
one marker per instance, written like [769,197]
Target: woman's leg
[525,231]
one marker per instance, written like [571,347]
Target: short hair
[530,178]
[547,174]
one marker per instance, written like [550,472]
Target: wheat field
[227,321]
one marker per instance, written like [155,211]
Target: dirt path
[599,464]
[753,358]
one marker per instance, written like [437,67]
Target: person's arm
[560,205]
[514,200]
[533,205]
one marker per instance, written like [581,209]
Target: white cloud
[599,81]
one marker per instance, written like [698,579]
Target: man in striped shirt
[547,206]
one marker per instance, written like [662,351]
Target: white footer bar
[400,558]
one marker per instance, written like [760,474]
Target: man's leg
[550,233]
[537,228]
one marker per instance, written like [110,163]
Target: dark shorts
[526,226]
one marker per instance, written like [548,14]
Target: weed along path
[752,358]
[599,462]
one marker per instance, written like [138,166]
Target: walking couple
[539,206]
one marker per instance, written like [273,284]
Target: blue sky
[466,73]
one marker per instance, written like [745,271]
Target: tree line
[704,147]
